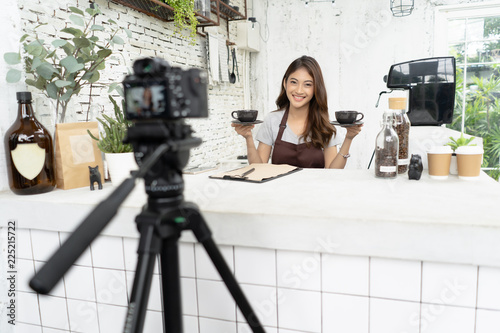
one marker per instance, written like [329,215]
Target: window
[472,34]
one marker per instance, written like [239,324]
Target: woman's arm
[334,160]
[260,154]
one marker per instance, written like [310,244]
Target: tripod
[160,225]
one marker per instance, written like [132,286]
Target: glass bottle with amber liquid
[29,152]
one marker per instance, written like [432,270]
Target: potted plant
[118,155]
[74,59]
[454,144]
[184,18]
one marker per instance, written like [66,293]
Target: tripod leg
[149,246]
[233,286]
[171,287]
[197,224]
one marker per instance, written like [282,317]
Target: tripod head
[164,178]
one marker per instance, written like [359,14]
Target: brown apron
[297,155]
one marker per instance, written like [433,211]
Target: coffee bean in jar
[386,149]
[402,127]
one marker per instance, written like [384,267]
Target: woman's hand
[353,131]
[243,130]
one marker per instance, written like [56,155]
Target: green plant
[115,131]
[461,141]
[71,61]
[184,17]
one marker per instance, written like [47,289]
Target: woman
[300,130]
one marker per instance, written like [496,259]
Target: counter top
[346,212]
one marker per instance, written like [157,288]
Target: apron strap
[282,126]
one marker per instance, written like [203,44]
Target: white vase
[119,166]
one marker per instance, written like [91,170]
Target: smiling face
[299,89]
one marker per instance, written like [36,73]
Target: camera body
[158,91]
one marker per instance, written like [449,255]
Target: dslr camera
[156,90]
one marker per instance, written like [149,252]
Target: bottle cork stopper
[397,103]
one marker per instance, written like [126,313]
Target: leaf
[62,83]
[71,64]
[77,20]
[52,90]
[97,27]
[12,58]
[67,95]
[59,42]
[101,65]
[118,40]
[40,83]
[87,76]
[92,135]
[77,11]
[81,42]
[46,70]
[30,82]
[73,31]
[95,77]
[93,11]
[68,48]
[104,53]
[34,48]
[23,38]
[51,55]
[36,62]
[13,75]
[128,32]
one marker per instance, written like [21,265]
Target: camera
[156,90]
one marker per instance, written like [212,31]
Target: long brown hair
[318,131]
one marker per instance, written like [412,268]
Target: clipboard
[257,172]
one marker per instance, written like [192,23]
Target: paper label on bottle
[403,161]
[28,158]
[388,168]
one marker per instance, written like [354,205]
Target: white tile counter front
[316,251]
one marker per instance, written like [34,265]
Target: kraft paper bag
[76,151]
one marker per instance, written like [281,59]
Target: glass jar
[402,127]
[386,149]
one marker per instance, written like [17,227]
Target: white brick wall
[150,38]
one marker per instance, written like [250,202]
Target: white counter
[346,212]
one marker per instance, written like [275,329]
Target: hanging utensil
[235,62]
[228,53]
[232,76]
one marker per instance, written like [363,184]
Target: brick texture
[150,38]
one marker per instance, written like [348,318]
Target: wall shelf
[164,12]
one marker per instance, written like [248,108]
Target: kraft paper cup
[469,160]
[439,160]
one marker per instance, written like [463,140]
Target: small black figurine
[95,176]
[416,167]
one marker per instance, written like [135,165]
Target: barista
[299,133]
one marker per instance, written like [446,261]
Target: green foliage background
[482,115]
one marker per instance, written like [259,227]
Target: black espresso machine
[431,84]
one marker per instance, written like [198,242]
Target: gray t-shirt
[268,131]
